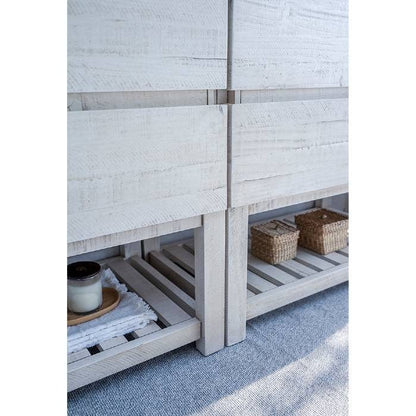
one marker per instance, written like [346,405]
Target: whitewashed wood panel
[131,45]
[135,168]
[288,148]
[289,44]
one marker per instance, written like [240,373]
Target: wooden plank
[132,353]
[269,272]
[164,284]
[148,329]
[210,281]
[146,45]
[178,276]
[182,257]
[293,199]
[269,96]
[285,149]
[257,284]
[283,295]
[308,259]
[112,342]
[118,100]
[167,310]
[127,169]
[276,44]
[236,275]
[131,249]
[296,269]
[111,240]
[78,355]
[345,251]
[151,244]
[336,257]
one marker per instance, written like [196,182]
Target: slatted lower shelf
[287,282]
[170,291]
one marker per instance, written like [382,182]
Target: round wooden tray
[111,299]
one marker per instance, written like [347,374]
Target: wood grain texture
[210,281]
[292,94]
[236,275]
[169,288]
[291,292]
[177,275]
[129,236]
[289,44]
[146,45]
[285,149]
[129,169]
[135,99]
[167,310]
[123,356]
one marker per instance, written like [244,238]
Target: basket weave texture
[322,230]
[274,241]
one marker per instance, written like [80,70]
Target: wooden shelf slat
[291,292]
[167,310]
[257,284]
[164,284]
[167,267]
[123,356]
[269,272]
[182,257]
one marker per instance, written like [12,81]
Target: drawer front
[146,45]
[135,168]
[279,150]
[289,44]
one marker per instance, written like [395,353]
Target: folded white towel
[131,313]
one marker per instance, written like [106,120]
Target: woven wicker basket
[274,241]
[322,231]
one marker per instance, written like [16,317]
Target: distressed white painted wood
[336,257]
[164,284]
[288,200]
[289,44]
[283,295]
[112,342]
[296,269]
[148,329]
[129,45]
[312,261]
[269,272]
[258,285]
[167,310]
[181,278]
[151,244]
[323,203]
[123,356]
[96,243]
[292,94]
[78,355]
[182,257]
[236,275]
[131,249]
[209,281]
[135,99]
[283,149]
[129,169]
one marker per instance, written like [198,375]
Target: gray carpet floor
[293,362]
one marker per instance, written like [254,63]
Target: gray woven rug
[293,362]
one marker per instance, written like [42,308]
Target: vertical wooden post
[131,249]
[210,281]
[236,274]
[151,244]
[323,203]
